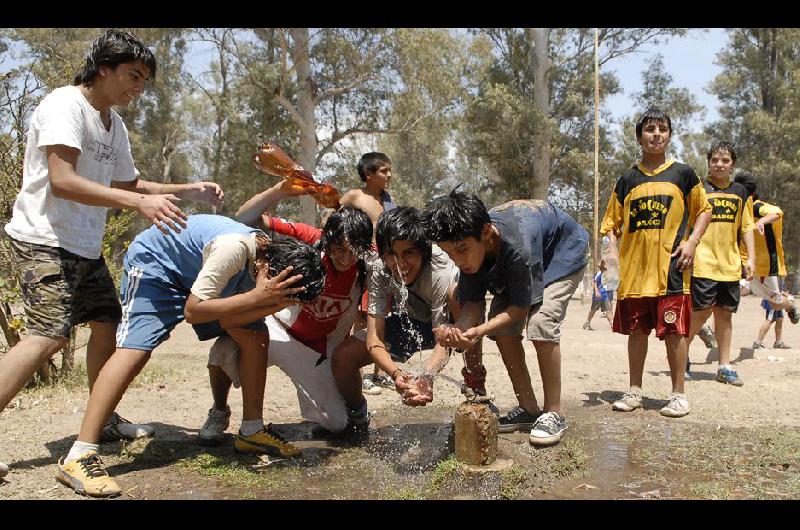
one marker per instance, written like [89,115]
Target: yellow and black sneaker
[87,477]
[265,441]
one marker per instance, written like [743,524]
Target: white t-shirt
[65,117]
[223,258]
[427,295]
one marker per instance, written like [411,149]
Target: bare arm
[508,316]
[376,347]
[767,219]
[268,296]
[67,184]
[467,330]
[206,192]
[685,250]
[250,212]
[750,245]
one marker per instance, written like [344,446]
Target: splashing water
[405,319]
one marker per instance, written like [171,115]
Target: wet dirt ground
[736,443]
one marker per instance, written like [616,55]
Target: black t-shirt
[539,244]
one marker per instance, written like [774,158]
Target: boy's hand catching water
[420,391]
[451,336]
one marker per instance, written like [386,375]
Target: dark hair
[112,49]
[454,217]
[652,114]
[722,146]
[282,252]
[348,225]
[370,162]
[403,223]
[749,182]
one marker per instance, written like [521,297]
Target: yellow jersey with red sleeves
[718,256]
[769,247]
[649,212]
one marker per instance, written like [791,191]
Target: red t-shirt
[327,320]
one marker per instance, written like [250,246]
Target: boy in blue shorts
[303,339]
[531,256]
[217,274]
[773,316]
[600,299]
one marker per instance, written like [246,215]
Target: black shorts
[708,293]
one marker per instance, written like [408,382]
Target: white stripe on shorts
[134,279]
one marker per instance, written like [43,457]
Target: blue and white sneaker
[548,429]
[729,377]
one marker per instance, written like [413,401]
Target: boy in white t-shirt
[77,164]
[415,281]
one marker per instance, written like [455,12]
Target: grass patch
[230,472]
[728,463]
[571,459]
[444,470]
[511,480]
[77,380]
[405,494]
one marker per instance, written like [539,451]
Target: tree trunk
[11,334]
[305,107]
[539,38]
[221,111]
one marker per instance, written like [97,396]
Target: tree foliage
[760,113]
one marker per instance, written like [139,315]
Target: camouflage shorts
[61,289]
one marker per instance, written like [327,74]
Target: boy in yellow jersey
[718,265]
[770,267]
[650,211]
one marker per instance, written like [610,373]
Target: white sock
[80,449]
[250,427]
[725,366]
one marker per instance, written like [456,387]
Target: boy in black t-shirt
[532,257]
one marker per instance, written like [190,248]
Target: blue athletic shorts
[403,344]
[151,308]
[772,314]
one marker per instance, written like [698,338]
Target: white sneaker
[678,406]
[369,387]
[630,400]
[213,430]
[118,428]
[548,429]
[3,470]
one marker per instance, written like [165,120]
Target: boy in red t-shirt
[303,337]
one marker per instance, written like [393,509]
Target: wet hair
[749,182]
[111,49]
[403,223]
[722,146]
[370,162]
[652,114]
[324,214]
[454,217]
[348,225]
[282,252]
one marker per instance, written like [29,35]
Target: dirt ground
[736,443]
